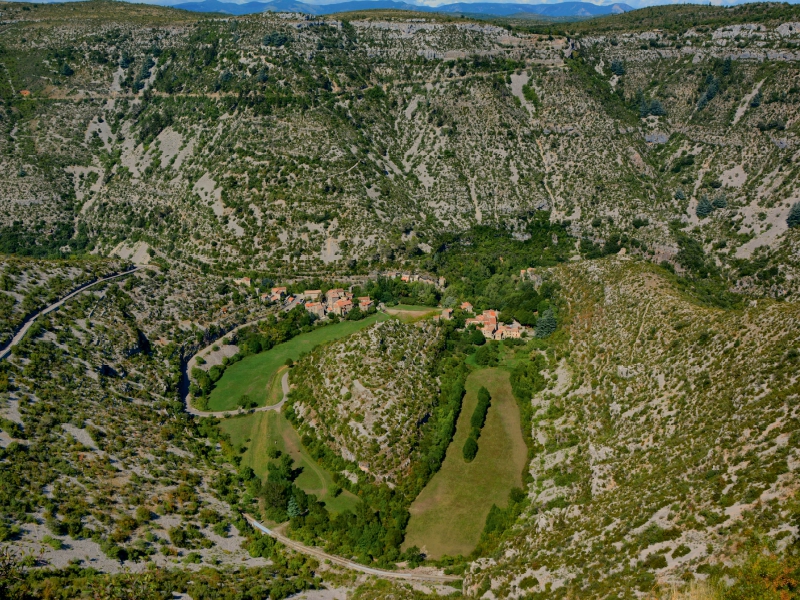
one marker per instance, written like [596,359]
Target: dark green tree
[470,449]
[704,207]
[793,220]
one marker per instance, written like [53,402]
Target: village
[339,302]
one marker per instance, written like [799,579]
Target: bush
[655,561]
[720,201]
[54,543]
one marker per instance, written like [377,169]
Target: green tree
[793,220]
[704,207]
[293,509]
[546,324]
[470,449]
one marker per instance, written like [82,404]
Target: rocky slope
[666,442]
[367,395]
[278,141]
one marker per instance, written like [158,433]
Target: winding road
[29,321]
[321,555]
[229,413]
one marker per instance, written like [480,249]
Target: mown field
[258,432]
[257,375]
[409,313]
[449,515]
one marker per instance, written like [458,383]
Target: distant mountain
[562,9]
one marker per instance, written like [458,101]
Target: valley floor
[448,516]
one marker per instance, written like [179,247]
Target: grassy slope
[271,429]
[254,375]
[449,514]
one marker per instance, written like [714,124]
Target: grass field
[255,375]
[258,432]
[449,515]
[409,313]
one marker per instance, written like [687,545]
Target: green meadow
[257,375]
[449,514]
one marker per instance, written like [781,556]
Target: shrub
[681,550]
[655,561]
[54,543]
[720,201]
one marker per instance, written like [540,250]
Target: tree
[355,314]
[704,207]
[657,109]
[679,195]
[546,324]
[293,510]
[793,220]
[470,449]
[477,338]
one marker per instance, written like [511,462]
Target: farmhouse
[242,281]
[492,329]
[279,291]
[316,308]
[331,296]
[505,332]
[342,307]
[312,295]
[466,306]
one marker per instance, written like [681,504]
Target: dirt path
[229,413]
[321,555]
[29,321]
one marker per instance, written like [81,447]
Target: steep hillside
[666,441]
[277,142]
[364,395]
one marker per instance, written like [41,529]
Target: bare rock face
[366,393]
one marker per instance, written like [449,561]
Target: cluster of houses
[337,301]
[487,322]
